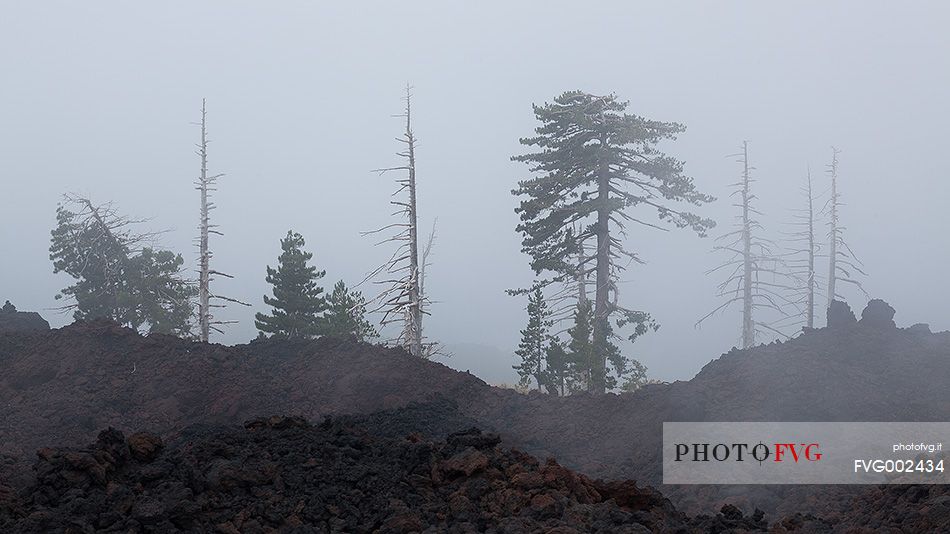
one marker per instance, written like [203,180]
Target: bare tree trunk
[751,258]
[833,223]
[415,308]
[204,294]
[404,301]
[424,264]
[748,323]
[810,292]
[834,231]
[843,265]
[598,379]
[206,185]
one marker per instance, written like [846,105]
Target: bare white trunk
[414,315]
[403,302]
[424,264]
[834,231]
[204,259]
[748,323]
[756,279]
[206,185]
[810,292]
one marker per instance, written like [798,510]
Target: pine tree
[583,354]
[597,164]
[636,378]
[558,365]
[533,341]
[580,350]
[159,295]
[116,275]
[346,315]
[297,302]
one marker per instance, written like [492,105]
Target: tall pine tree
[533,340]
[346,315]
[595,166]
[297,302]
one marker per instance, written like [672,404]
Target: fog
[101,98]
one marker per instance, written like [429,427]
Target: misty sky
[99,98]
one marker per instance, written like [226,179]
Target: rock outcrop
[840,314]
[12,320]
[878,314]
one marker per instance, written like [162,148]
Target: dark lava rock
[840,314]
[12,320]
[145,446]
[891,508]
[878,314]
[281,474]
[58,386]
[731,519]
[920,328]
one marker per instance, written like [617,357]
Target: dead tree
[842,263]
[206,184]
[803,254]
[403,301]
[754,280]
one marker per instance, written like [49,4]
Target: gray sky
[99,98]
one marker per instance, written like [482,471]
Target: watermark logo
[741,452]
[804,453]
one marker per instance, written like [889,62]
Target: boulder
[878,314]
[840,314]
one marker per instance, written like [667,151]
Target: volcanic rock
[282,474]
[12,320]
[922,328]
[878,314]
[145,446]
[840,314]
[60,386]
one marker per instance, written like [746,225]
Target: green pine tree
[297,302]
[580,355]
[636,377]
[94,255]
[159,295]
[533,341]
[558,368]
[584,355]
[142,288]
[595,168]
[346,315]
